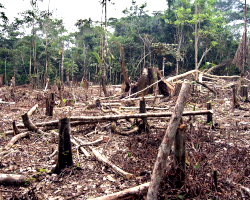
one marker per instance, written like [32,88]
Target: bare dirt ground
[222,147]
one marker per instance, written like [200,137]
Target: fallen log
[15,139]
[114,167]
[125,194]
[82,120]
[30,112]
[223,77]
[12,179]
[180,76]
[95,119]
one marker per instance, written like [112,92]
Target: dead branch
[180,76]
[205,85]
[223,77]
[30,112]
[167,142]
[89,143]
[125,194]
[247,190]
[118,131]
[203,55]
[225,62]
[12,179]
[114,127]
[114,167]
[15,139]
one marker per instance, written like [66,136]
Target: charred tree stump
[64,146]
[50,102]
[244,92]
[180,155]
[209,116]
[143,125]
[15,129]
[235,102]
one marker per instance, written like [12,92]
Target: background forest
[188,34]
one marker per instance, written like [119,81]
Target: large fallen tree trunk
[82,120]
[12,179]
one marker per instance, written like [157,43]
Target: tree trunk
[164,149]
[196,46]
[64,146]
[5,76]
[62,61]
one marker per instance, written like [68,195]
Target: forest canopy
[203,33]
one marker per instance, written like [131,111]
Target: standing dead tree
[168,140]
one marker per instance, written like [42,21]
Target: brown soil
[222,147]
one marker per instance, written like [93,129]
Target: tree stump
[50,102]
[235,102]
[177,88]
[180,155]
[209,116]
[64,146]
[143,125]
[244,92]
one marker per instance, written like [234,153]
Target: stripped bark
[167,142]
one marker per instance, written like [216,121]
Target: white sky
[72,10]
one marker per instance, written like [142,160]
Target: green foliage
[196,167]
[42,170]
[136,31]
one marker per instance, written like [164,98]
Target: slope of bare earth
[222,147]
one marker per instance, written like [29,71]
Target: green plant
[210,123]
[196,167]
[64,100]
[180,196]
[129,154]
[42,170]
